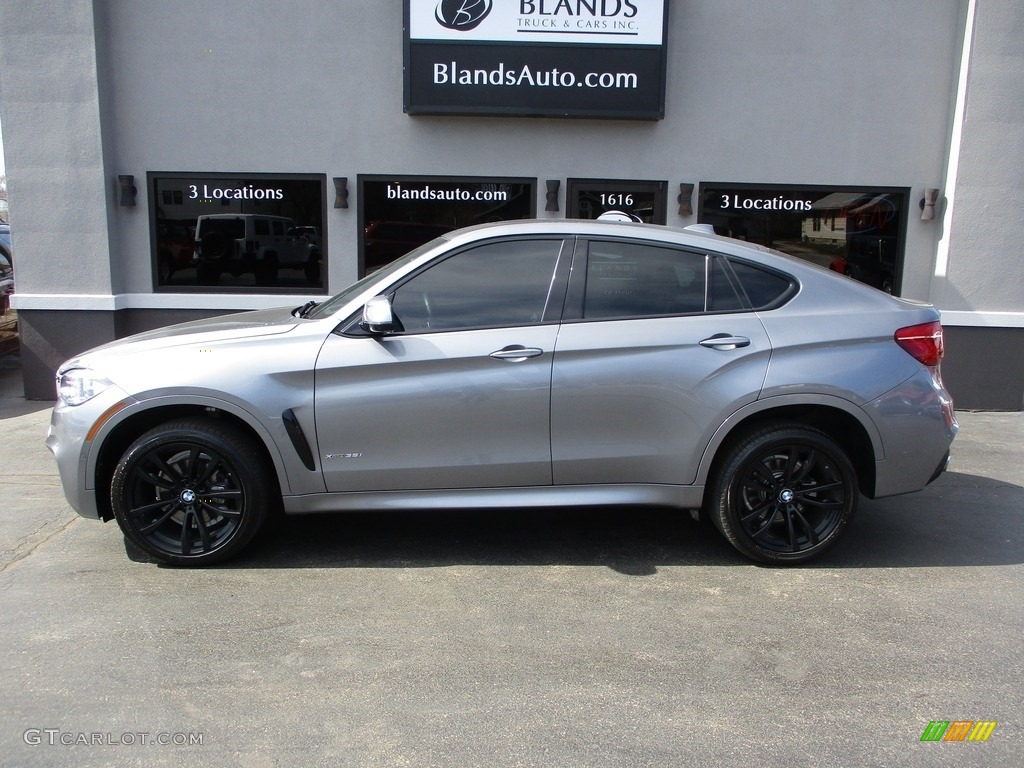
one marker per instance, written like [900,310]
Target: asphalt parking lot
[625,637]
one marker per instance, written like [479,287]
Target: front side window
[498,284]
[636,280]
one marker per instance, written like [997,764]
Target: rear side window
[763,288]
[637,280]
[725,295]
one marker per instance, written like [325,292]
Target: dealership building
[175,161]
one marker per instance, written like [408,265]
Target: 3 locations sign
[544,58]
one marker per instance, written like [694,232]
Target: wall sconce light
[685,194]
[931,196]
[551,203]
[128,191]
[341,191]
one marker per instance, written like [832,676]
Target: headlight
[80,385]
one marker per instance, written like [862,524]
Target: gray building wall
[792,92]
[983,271]
[977,283]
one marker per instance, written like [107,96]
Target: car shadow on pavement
[959,520]
[634,541]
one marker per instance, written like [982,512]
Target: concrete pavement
[614,638]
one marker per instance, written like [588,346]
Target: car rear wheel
[783,494]
[192,492]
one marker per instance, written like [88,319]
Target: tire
[216,246]
[192,492]
[266,270]
[783,494]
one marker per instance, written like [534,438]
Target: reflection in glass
[400,213]
[632,280]
[494,285]
[223,232]
[855,232]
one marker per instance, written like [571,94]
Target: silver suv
[244,242]
[520,364]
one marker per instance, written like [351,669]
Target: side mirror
[378,317]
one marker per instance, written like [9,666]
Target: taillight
[250,246]
[923,342]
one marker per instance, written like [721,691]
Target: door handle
[516,353]
[725,342]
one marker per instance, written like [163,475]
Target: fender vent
[298,437]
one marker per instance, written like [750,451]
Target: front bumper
[66,439]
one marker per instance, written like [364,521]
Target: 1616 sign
[589,198]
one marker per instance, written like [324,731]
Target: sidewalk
[12,390]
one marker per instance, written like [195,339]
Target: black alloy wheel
[192,492]
[784,494]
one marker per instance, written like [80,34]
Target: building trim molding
[240,302]
[112,303]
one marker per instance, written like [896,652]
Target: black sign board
[543,58]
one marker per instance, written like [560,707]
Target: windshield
[337,301]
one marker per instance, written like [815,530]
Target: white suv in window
[244,242]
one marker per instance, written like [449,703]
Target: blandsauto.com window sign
[545,58]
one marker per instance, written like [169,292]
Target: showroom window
[256,233]
[857,231]
[399,213]
[589,198]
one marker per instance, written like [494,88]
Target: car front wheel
[192,492]
[783,494]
